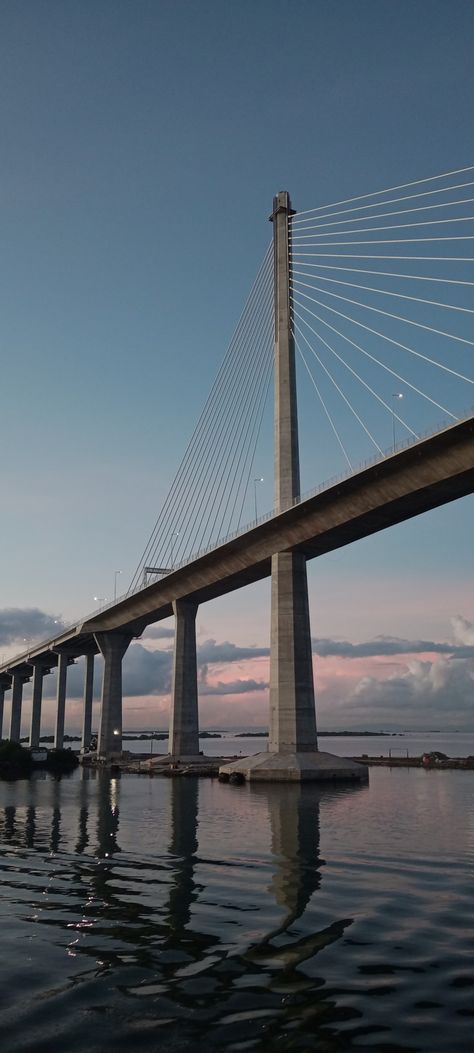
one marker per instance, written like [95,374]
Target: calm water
[414,743]
[154,914]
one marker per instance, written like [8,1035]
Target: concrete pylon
[112,645]
[40,668]
[292,710]
[17,700]
[88,695]
[184,721]
[292,725]
[64,661]
[292,754]
[5,684]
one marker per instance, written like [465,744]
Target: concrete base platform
[194,759]
[297,767]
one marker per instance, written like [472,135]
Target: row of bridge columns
[184,723]
[37,669]
[292,711]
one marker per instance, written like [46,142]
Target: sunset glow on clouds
[382,683]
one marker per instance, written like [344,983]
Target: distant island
[161,736]
[321,734]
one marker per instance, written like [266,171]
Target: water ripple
[136,913]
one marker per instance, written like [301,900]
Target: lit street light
[395,395]
[258,480]
[116,574]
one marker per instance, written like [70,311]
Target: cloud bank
[385,682]
[16,623]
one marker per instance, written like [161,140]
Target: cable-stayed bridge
[372,298]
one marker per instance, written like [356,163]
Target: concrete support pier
[39,671]
[184,721]
[88,695]
[5,684]
[292,710]
[17,700]
[112,646]
[64,660]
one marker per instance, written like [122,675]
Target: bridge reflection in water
[175,931]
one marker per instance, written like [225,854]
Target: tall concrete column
[112,646]
[64,660]
[40,668]
[184,721]
[88,694]
[17,699]
[5,684]
[292,711]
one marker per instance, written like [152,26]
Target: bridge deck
[430,473]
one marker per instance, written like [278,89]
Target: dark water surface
[153,914]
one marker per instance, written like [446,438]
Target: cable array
[361,324]
[207,497]
[381,311]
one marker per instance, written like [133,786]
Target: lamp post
[116,574]
[259,479]
[395,395]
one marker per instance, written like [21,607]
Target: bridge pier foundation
[88,693]
[112,646]
[184,720]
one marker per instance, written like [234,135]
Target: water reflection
[108,814]
[192,907]
[183,852]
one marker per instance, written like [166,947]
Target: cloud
[211,652]
[393,645]
[146,672]
[426,694]
[158,632]
[16,623]
[421,683]
[463,631]
[234,687]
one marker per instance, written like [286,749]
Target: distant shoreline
[162,736]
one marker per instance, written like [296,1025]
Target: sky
[142,144]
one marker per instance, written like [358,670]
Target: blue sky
[142,143]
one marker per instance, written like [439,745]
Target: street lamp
[116,574]
[259,479]
[395,395]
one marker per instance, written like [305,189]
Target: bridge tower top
[287,468]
